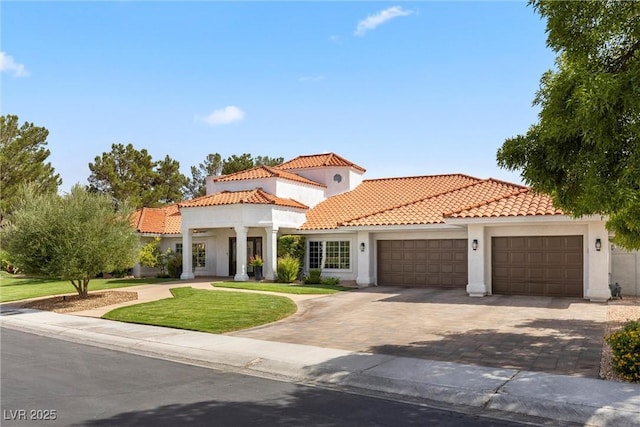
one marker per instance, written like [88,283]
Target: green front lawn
[17,288]
[207,311]
[283,288]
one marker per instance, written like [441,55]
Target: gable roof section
[261,172]
[164,220]
[379,200]
[318,160]
[255,197]
[432,210]
[523,203]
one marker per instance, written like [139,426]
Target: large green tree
[584,150]
[23,159]
[168,182]
[211,166]
[237,163]
[132,176]
[71,237]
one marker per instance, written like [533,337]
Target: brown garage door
[435,262]
[537,265]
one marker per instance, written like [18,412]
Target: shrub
[6,264]
[287,269]
[329,281]
[625,345]
[150,254]
[291,245]
[313,278]
[174,264]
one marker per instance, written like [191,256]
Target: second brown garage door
[434,262]
[537,265]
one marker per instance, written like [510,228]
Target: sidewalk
[561,398]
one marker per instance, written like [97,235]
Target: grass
[207,311]
[284,288]
[18,288]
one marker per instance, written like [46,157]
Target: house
[484,235]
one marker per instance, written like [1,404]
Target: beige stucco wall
[625,270]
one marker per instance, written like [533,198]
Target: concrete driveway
[556,335]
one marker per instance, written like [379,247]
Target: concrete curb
[571,399]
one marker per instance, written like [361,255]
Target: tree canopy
[23,160]
[584,151]
[132,176]
[71,237]
[211,166]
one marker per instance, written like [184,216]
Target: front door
[254,247]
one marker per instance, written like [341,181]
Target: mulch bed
[71,303]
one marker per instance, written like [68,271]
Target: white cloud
[9,65]
[373,21]
[223,116]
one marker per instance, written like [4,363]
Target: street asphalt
[574,399]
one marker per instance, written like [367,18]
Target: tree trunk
[82,287]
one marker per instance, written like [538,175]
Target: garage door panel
[574,242]
[429,262]
[573,259]
[517,258]
[555,289]
[501,257]
[537,265]
[535,257]
[574,274]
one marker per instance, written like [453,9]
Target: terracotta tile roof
[318,160]
[261,172]
[257,197]
[164,220]
[374,197]
[523,203]
[432,210]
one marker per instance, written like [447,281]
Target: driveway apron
[556,335]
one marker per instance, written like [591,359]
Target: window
[336,255]
[315,254]
[198,254]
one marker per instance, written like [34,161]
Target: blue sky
[414,88]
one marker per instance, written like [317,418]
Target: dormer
[280,183]
[336,173]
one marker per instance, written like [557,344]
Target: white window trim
[175,247]
[324,254]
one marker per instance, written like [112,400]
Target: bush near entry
[287,269]
[625,345]
[315,278]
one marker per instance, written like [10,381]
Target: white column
[364,254]
[476,286]
[187,271]
[241,254]
[597,262]
[271,257]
